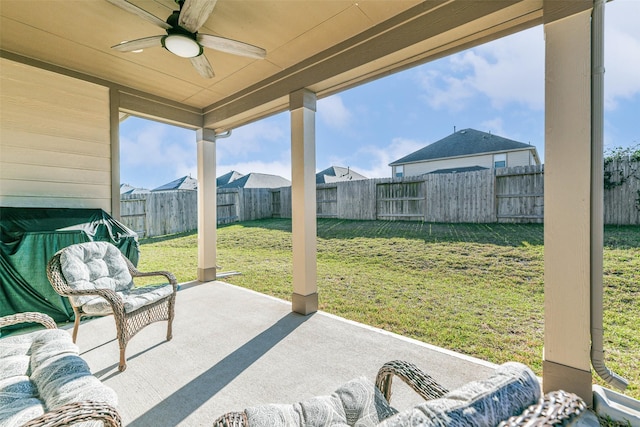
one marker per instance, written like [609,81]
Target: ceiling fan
[182,36]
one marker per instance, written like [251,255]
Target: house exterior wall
[514,158]
[520,158]
[55,148]
[420,168]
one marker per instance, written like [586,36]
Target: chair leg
[171,314]
[123,363]
[76,324]
[122,332]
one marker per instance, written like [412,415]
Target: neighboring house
[467,148]
[227,178]
[258,180]
[129,189]
[336,174]
[126,188]
[184,183]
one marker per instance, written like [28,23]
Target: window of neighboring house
[399,171]
[500,160]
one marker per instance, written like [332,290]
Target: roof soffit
[316,44]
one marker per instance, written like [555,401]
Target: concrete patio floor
[234,348]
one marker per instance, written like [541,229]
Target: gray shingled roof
[464,142]
[184,183]
[258,180]
[126,188]
[227,178]
[337,173]
[129,189]
[460,170]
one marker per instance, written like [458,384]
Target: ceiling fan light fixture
[182,45]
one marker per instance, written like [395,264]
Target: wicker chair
[555,408]
[129,319]
[69,413]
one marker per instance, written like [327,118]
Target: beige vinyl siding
[514,158]
[413,169]
[520,158]
[54,140]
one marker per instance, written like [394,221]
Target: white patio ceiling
[324,46]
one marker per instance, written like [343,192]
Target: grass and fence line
[506,195]
[474,288]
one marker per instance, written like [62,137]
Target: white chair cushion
[358,403]
[132,299]
[94,265]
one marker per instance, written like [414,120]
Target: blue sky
[497,87]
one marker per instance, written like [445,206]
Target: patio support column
[567,196]
[207,215]
[303,201]
[114,128]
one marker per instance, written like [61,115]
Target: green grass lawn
[473,288]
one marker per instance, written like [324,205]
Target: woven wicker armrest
[77,412]
[109,294]
[137,273]
[554,408]
[28,317]
[232,419]
[417,379]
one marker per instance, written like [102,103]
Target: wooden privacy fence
[486,196]
[243,204]
[622,192]
[169,212]
[509,195]
[160,213]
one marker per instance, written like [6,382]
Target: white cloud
[622,51]
[444,91]
[377,160]
[507,70]
[511,69]
[333,112]
[142,147]
[153,154]
[248,141]
[495,126]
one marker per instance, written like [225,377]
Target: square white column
[567,196]
[303,201]
[207,215]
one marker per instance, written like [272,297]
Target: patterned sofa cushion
[41,371]
[357,403]
[509,391]
[94,265]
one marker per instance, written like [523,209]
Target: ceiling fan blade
[131,8]
[194,13]
[130,46]
[202,66]
[231,46]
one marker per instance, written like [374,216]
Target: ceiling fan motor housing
[178,45]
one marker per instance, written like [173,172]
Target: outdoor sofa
[44,381]
[510,397]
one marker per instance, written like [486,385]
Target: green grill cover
[29,237]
